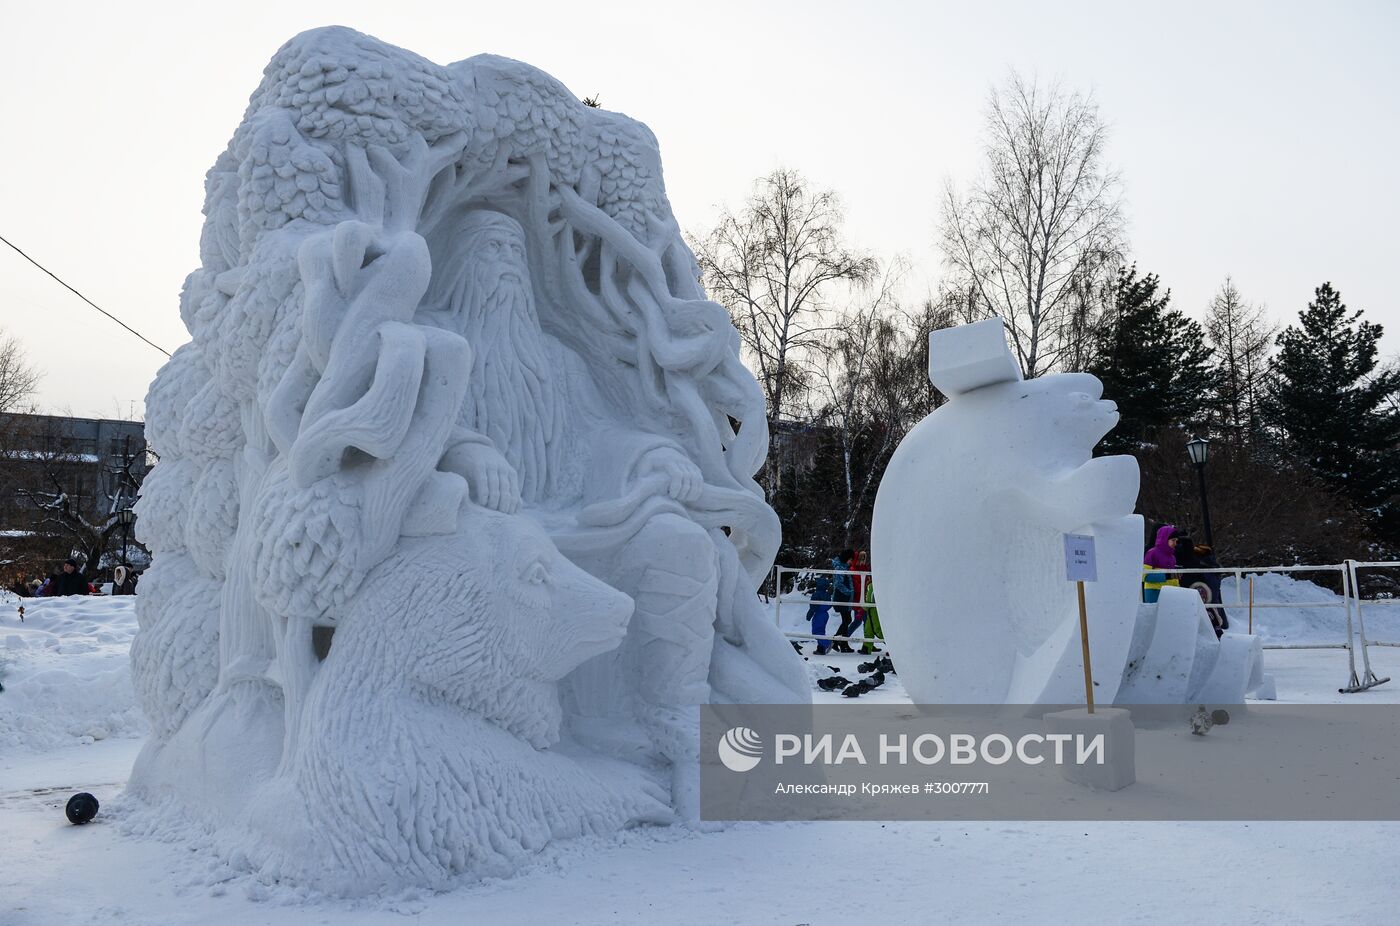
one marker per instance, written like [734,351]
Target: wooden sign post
[1251,604]
[1084,641]
[1081,567]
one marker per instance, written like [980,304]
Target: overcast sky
[1255,139]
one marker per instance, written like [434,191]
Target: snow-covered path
[1275,873]
[65,682]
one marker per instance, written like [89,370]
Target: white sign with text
[1080,565]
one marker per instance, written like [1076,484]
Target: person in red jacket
[858,563]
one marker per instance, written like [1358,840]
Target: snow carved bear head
[487,619]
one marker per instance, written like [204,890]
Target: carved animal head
[487,619]
[1048,423]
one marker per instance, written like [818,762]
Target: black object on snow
[836,669]
[81,808]
[883,664]
[831,684]
[858,689]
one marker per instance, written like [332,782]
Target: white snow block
[1175,654]
[1119,766]
[1256,668]
[970,356]
[1228,681]
[1038,679]
[1266,691]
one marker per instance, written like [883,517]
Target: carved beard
[511,397]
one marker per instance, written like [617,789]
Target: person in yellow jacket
[1161,555]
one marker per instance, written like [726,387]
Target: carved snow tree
[1034,236]
[455,408]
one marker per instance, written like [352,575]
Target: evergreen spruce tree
[1334,412]
[1153,361]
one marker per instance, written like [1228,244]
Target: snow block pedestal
[1266,691]
[1119,768]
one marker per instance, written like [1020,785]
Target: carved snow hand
[684,479]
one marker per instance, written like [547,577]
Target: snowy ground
[68,722]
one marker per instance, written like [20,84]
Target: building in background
[63,483]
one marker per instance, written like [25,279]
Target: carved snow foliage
[174,386]
[178,655]
[164,507]
[212,517]
[304,565]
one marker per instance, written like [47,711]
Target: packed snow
[66,672]
[68,722]
[69,679]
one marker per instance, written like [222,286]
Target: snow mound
[1314,614]
[66,672]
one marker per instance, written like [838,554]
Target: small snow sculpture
[967,542]
[456,481]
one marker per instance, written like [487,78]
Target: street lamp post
[124,517]
[1199,449]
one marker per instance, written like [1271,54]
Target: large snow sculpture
[454,408]
[968,552]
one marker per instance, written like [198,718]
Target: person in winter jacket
[818,613]
[67,581]
[872,619]
[1161,555]
[843,591]
[860,565]
[1191,555]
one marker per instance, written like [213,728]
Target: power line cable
[84,298]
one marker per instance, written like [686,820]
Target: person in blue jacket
[819,613]
[843,590]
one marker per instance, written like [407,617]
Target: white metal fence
[780,598]
[1347,578]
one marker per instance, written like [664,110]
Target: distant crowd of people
[1174,549]
[848,585]
[68,580]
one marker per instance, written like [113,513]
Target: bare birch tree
[18,378]
[774,265]
[1042,226]
[846,364]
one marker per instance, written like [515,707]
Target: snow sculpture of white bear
[440,303]
[967,548]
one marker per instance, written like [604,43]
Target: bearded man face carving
[510,398]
